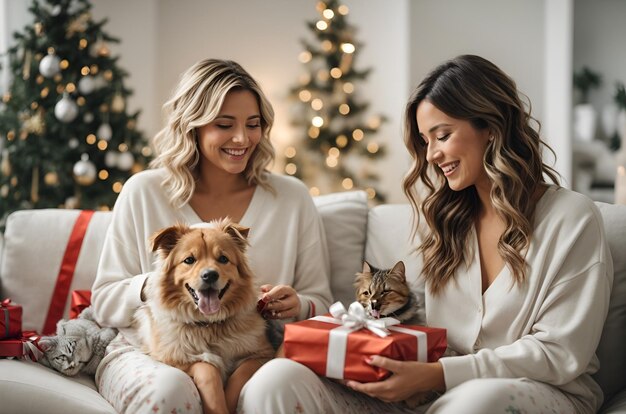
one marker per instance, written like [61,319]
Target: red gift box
[339,351]
[10,319]
[24,347]
[81,299]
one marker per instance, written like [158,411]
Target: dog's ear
[164,240]
[238,232]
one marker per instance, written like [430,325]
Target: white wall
[510,33]
[557,120]
[403,40]
[13,16]
[135,23]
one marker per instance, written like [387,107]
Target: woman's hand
[281,302]
[407,379]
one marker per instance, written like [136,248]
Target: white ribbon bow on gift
[355,318]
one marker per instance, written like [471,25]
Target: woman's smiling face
[229,140]
[453,145]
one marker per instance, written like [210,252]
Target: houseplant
[585,115]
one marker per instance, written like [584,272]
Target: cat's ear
[368,268]
[399,270]
[47,343]
[360,277]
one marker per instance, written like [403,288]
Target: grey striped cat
[78,346]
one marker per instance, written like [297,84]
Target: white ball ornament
[86,85]
[125,161]
[72,202]
[73,143]
[50,65]
[104,132]
[100,82]
[118,104]
[110,159]
[84,171]
[88,117]
[66,109]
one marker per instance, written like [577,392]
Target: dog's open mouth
[207,300]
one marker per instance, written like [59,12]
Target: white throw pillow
[389,240]
[345,221]
[34,246]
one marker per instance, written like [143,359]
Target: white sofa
[34,243]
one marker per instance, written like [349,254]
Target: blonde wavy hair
[196,102]
[473,89]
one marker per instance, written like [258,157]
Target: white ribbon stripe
[422,341]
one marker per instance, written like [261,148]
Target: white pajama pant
[285,386]
[134,383]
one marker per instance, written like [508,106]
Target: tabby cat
[385,292]
[78,346]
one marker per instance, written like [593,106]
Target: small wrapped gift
[338,346]
[10,319]
[25,347]
[81,299]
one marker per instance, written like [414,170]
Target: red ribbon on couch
[66,272]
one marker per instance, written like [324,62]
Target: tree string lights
[329,112]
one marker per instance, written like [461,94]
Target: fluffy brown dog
[201,306]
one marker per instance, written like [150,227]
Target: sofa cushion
[612,374]
[345,221]
[389,240]
[29,387]
[34,246]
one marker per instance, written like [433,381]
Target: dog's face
[204,269]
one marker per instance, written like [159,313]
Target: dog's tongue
[208,302]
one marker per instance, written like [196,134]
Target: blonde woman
[212,159]
[516,269]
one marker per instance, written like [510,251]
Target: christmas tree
[332,118]
[66,138]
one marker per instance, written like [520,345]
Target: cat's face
[66,355]
[382,292]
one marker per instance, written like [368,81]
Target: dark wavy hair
[473,89]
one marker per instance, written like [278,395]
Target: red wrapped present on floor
[10,319]
[337,346]
[25,347]
[81,299]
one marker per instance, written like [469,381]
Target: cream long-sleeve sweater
[287,245]
[547,328]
